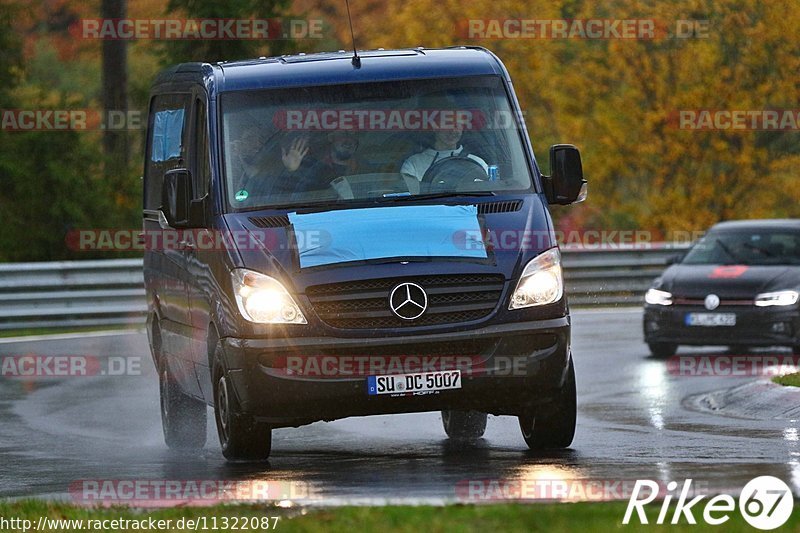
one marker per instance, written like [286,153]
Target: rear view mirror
[176,193]
[566,184]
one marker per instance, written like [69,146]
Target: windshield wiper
[433,196]
[306,205]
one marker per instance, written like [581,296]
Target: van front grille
[364,304]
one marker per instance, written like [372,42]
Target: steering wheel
[448,173]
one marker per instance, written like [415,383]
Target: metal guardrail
[111,292]
[71,293]
[614,277]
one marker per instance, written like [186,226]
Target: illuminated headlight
[264,300]
[777,298]
[541,282]
[657,297]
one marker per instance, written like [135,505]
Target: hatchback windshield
[371,141]
[746,247]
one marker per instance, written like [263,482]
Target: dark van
[331,237]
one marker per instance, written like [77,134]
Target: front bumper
[512,368]
[755,326]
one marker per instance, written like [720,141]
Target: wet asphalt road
[632,424]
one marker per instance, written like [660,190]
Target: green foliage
[10,52]
[613,98]
[51,182]
[225,50]
[50,185]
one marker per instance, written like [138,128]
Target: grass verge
[789,380]
[584,517]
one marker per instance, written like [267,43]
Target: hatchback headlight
[264,300]
[768,299]
[658,297]
[541,282]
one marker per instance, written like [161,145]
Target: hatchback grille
[722,303]
[364,304]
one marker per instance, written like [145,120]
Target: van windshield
[371,141]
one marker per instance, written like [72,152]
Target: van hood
[509,231]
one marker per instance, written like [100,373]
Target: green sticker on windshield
[241,196]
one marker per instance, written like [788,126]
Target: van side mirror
[176,194]
[566,184]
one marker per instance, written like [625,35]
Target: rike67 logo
[765,503]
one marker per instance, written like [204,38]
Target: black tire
[184,419]
[662,349]
[553,425]
[240,436]
[464,425]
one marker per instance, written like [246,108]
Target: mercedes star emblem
[408,301]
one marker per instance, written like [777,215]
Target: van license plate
[414,383]
[711,319]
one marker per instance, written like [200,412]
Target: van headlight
[264,300]
[768,299]
[658,297]
[541,282]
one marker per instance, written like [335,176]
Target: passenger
[305,174]
[341,160]
[245,153]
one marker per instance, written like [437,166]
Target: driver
[446,143]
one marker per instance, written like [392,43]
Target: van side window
[201,170]
[167,134]
[166,142]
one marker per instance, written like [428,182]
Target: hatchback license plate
[711,319]
[413,383]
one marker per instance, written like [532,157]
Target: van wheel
[183,418]
[662,349]
[464,425]
[240,436]
[553,425]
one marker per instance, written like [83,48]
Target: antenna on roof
[356,60]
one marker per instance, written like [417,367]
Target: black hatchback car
[737,286]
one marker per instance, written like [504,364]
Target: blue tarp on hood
[342,236]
